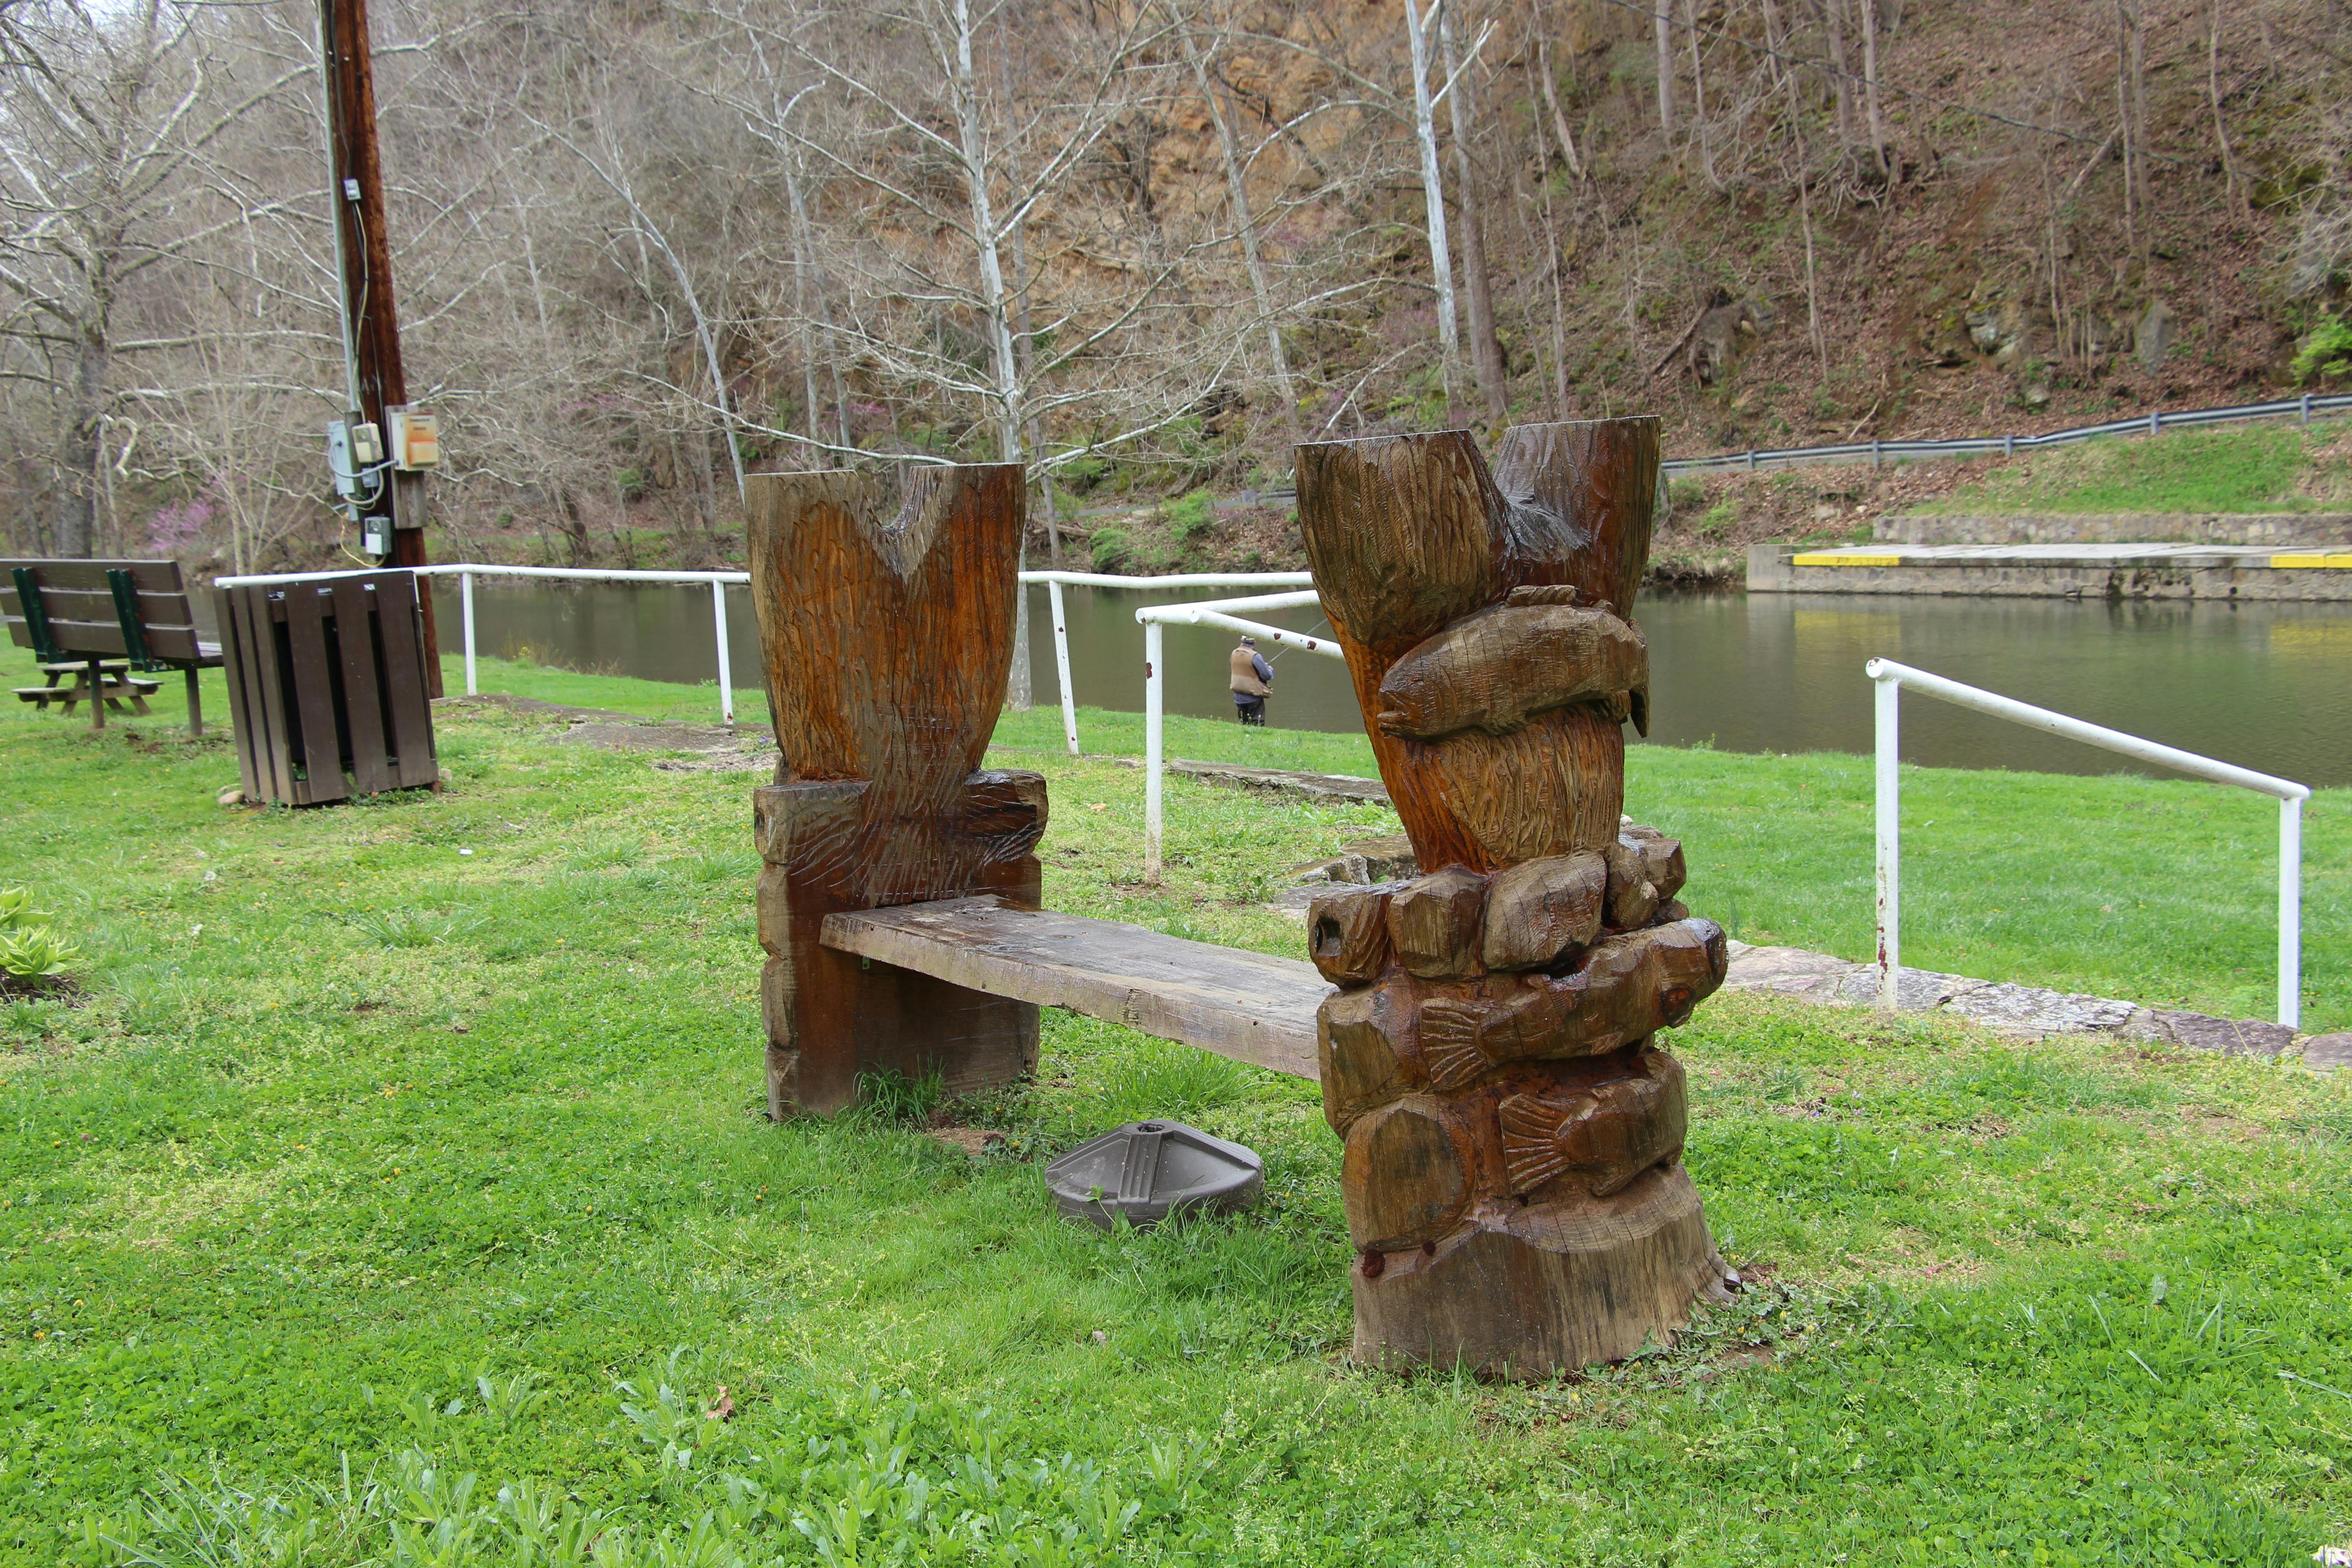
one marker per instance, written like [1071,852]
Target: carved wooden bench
[1485,1035]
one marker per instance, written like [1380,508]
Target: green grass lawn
[398,1192]
[2279,466]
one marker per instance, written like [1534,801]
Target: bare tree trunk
[1664,18]
[2124,121]
[1432,189]
[1698,99]
[806,285]
[1869,86]
[1552,257]
[1804,197]
[1486,349]
[1551,100]
[2221,131]
[996,305]
[75,518]
[1238,193]
[2138,39]
[1841,80]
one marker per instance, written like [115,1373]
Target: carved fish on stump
[1513,1137]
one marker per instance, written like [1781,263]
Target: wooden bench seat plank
[1246,1006]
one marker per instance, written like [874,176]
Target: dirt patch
[972,1141]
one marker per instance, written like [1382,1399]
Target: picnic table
[109,625]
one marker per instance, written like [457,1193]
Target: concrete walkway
[2023,1011]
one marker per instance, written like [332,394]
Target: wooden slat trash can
[326,682]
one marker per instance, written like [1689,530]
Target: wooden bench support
[1245,1005]
[885,631]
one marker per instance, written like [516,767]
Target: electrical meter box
[415,439]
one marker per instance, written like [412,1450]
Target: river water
[2265,686]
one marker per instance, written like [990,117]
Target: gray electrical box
[1146,1172]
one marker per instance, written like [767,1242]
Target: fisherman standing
[1253,682]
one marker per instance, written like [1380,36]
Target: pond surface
[2265,686]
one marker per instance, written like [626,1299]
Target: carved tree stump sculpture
[1513,1175]
[886,639]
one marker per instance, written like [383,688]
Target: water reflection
[2266,685]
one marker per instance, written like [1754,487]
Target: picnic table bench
[109,625]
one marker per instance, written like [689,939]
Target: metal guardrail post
[1154,704]
[726,660]
[466,603]
[1891,676]
[1062,666]
[2290,955]
[1889,781]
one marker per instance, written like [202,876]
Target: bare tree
[1486,349]
[97,123]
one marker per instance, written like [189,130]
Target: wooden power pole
[364,253]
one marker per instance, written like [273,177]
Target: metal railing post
[466,603]
[726,660]
[1890,843]
[1154,698]
[1062,666]
[2290,957]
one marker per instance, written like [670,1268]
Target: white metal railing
[1056,580]
[1208,613]
[1891,678]
[466,571]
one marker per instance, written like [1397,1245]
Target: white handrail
[1056,580]
[1208,613]
[466,571]
[1891,678]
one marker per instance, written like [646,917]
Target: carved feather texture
[1449,1042]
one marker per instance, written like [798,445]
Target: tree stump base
[1526,1292]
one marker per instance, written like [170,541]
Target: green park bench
[106,627]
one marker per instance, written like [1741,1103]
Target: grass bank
[2276,467]
[398,1192]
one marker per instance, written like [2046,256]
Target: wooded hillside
[645,248]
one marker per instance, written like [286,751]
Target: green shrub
[1194,516]
[17,909]
[1686,495]
[1111,548]
[2327,352]
[31,953]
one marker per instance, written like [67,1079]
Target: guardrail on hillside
[1878,453]
[2154,423]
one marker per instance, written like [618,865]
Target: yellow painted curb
[2340,563]
[1833,558]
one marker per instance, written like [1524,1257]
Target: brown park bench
[107,625]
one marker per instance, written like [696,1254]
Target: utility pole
[363,257]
